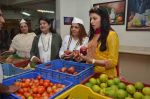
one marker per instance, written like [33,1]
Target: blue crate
[84,70]
[33,74]
[10,70]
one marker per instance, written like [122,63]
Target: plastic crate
[50,70]
[96,75]
[10,70]
[33,74]
[80,92]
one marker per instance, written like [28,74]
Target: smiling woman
[45,46]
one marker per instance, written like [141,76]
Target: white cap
[77,20]
[23,21]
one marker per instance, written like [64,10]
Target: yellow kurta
[110,54]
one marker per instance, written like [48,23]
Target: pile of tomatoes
[37,88]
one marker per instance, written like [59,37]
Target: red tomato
[39,77]
[26,94]
[27,80]
[17,84]
[51,84]
[46,84]
[59,85]
[21,91]
[41,89]
[45,94]
[45,97]
[41,82]
[35,90]
[25,89]
[38,95]
[22,97]
[47,81]
[49,89]
[36,81]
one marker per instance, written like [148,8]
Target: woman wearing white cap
[75,40]
[21,43]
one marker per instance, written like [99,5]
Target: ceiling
[28,4]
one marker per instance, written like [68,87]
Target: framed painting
[116,10]
[138,15]
[68,20]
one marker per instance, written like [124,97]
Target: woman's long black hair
[105,26]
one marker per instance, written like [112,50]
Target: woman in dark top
[45,46]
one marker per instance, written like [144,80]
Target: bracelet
[93,61]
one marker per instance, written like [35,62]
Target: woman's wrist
[93,61]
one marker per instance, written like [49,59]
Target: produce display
[116,89]
[14,59]
[37,88]
[70,70]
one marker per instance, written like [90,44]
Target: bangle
[93,61]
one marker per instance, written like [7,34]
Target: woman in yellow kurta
[104,43]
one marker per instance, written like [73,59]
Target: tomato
[59,85]
[21,91]
[36,81]
[62,86]
[41,89]
[22,84]
[45,97]
[47,81]
[26,94]
[17,84]
[22,97]
[39,77]
[45,94]
[35,90]
[46,84]
[27,80]
[51,84]
[38,95]
[49,89]
[41,82]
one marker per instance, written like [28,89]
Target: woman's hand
[7,52]
[86,58]
[13,88]
[67,54]
[36,60]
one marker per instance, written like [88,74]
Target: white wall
[80,8]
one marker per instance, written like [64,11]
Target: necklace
[45,49]
[70,39]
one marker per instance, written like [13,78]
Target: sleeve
[63,46]
[113,47]
[59,44]
[13,45]
[1,74]
[34,47]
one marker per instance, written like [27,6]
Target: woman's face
[95,21]
[24,28]
[44,26]
[75,29]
